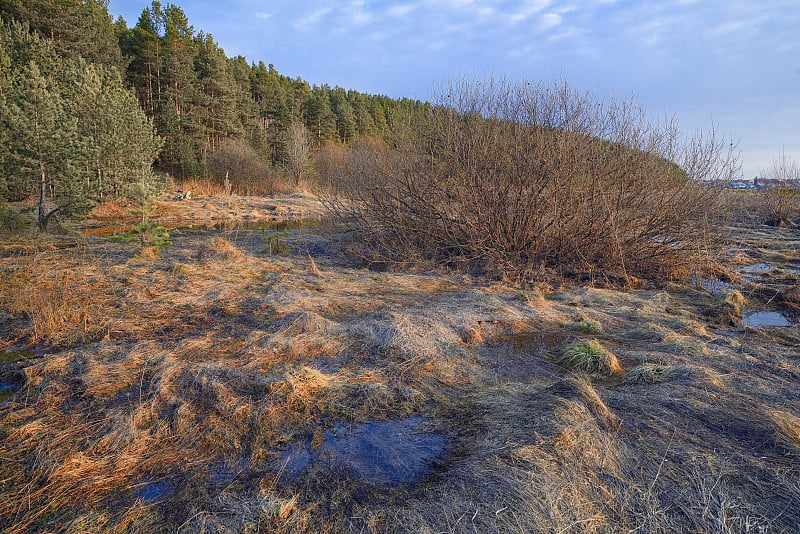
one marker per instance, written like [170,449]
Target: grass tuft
[727,309]
[590,357]
[649,373]
[219,248]
[586,325]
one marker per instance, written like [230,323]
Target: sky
[734,64]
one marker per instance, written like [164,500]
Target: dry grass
[590,357]
[219,248]
[61,302]
[169,391]
[727,308]
[649,373]
[586,325]
[787,431]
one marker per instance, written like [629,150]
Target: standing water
[381,453]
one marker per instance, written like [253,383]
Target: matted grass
[166,395]
[649,373]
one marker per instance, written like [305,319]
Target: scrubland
[219,388]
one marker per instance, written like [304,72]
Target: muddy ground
[261,380]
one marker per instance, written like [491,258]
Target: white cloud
[528,9]
[312,19]
[263,15]
[401,10]
[485,12]
[548,21]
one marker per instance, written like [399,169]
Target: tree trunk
[42,219]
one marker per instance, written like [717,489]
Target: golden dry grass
[168,391]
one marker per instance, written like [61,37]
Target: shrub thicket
[245,170]
[531,178]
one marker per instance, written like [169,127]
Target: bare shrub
[528,178]
[247,173]
[298,157]
[782,203]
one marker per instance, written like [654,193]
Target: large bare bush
[530,178]
[781,203]
[245,171]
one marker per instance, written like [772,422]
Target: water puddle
[7,389]
[381,453]
[759,319]
[191,226]
[12,377]
[223,473]
[713,286]
[155,490]
[755,268]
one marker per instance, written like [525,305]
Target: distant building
[742,184]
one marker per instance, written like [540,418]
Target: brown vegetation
[167,392]
[245,171]
[529,179]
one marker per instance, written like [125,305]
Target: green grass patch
[590,357]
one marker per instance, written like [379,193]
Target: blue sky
[736,62]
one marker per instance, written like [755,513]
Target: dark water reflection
[381,453]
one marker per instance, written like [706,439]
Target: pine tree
[143,44]
[319,116]
[216,98]
[122,140]
[346,126]
[44,145]
[365,124]
[78,28]
[185,138]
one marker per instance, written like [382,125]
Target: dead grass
[787,431]
[649,373]
[219,248]
[169,391]
[60,302]
[727,308]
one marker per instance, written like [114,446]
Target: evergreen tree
[71,133]
[365,124]
[217,93]
[142,44]
[19,46]
[185,139]
[123,144]
[44,144]
[319,116]
[78,28]
[346,126]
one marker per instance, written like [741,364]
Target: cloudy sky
[733,62]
